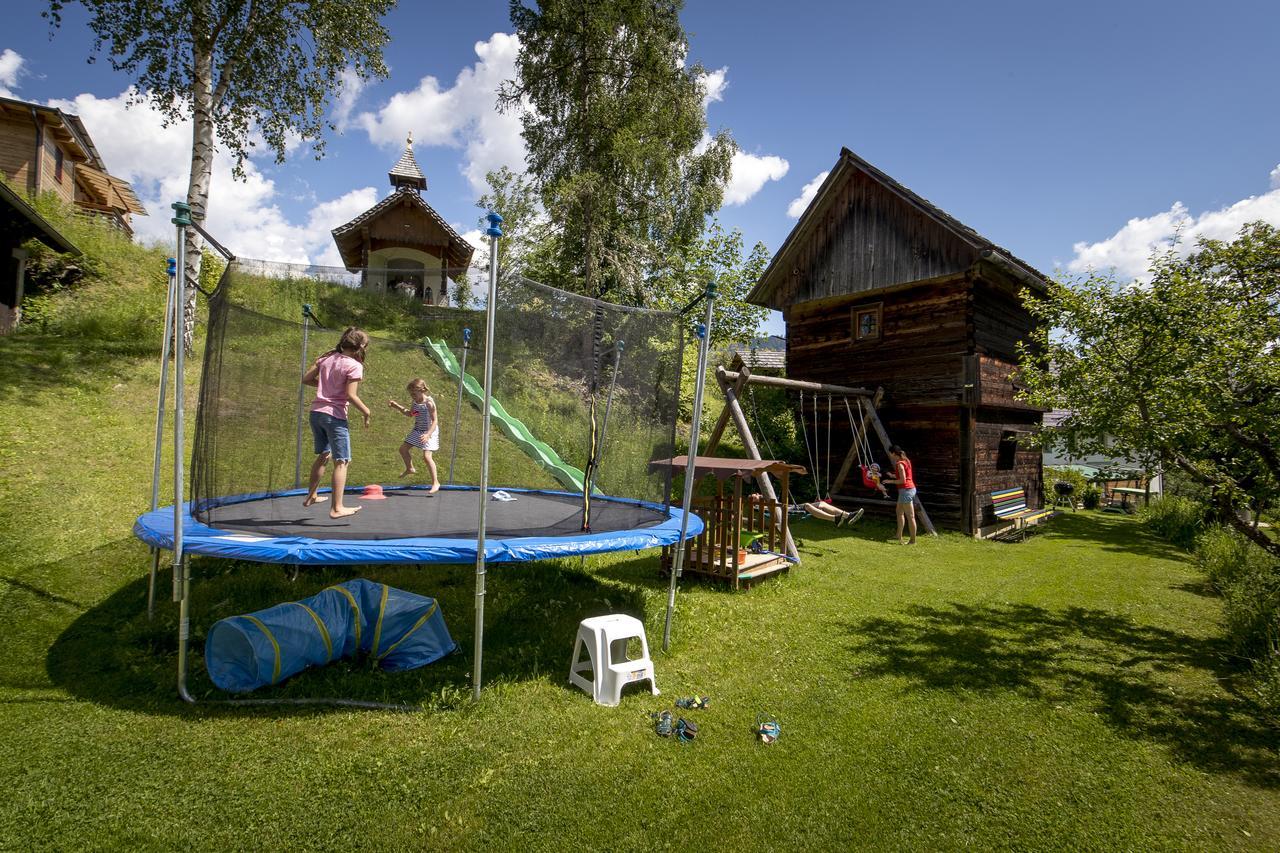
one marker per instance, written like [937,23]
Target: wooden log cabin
[880,288]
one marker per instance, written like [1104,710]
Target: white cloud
[801,202]
[464,115]
[1129,250]
[713,85]
[1275,177]
[10,70]
[749,173]
[349,89]
[243,215]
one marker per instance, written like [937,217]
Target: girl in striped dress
[425,434]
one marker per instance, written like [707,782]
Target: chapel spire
[406,175]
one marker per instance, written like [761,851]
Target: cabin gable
[869,238]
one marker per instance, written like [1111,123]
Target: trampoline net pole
[172,264]
[494,232]
[457,412]
[181,579]
[302,398]
[181,219]
[677,566]
[608,405]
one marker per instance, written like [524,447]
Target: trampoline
[558,370]
[413,526]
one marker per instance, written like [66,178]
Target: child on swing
[425,434]
[830,512]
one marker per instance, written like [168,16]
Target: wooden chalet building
[43,149]
[880,288]
[401,242]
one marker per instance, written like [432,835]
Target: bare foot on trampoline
[314,499]
[344,511]
[435,487]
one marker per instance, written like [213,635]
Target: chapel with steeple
[401,243]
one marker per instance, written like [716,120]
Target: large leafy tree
[244,71]
[717,258]
[615,126]
[530,240]
[1183,371]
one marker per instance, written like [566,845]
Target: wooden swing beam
[732,383]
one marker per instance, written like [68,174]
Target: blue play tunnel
[397,630]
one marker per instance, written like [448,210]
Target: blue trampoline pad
[412,526]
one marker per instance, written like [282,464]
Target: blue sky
[1072,134]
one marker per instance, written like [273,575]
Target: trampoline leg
[151,583]
[184,630]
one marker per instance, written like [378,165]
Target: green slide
[513,428]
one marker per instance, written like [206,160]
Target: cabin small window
[57,165]
[1008,452]
[867,322]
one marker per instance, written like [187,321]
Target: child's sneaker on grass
[686,730]
[768,729]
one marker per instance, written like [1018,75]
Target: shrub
[1266,682]
[1249,580]
[1091,497]
[1175,519]
[1063,475]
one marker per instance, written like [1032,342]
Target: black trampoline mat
[410,513]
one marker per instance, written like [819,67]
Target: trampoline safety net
[585,394]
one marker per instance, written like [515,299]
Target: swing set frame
[733,383]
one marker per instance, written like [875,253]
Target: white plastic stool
[605,640]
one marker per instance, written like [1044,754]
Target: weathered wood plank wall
[871,238]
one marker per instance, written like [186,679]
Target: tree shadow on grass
[1118,534]
[1124,672]
[32,364]
[113,655]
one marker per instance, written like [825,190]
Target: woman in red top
[902,476]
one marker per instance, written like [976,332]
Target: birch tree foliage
[248,72]
[616,132]
[1182,372]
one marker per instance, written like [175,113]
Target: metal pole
[155,466]
[494,232]
[704,334]
[457,411]
[608,406]
[302,397]
[181,574]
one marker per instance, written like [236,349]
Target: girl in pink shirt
[336,377]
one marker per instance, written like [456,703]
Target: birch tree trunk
[198,186]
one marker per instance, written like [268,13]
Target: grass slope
[1066,692]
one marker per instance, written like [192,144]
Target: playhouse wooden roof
[723,468]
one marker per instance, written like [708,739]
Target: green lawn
[1066,692]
